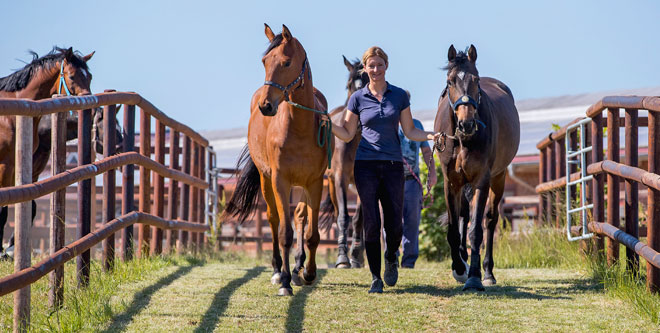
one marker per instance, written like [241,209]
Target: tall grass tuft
[537,247]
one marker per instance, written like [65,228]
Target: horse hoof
[342,262]
[473,283]
[460,278]
[295,279]
[285,292]
[308,279]
[355,264]
[489,281]
[275,279]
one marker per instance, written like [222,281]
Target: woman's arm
[409,129]
[346,130]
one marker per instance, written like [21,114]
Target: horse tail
[326,219]
[245,197]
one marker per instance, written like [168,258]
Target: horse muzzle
[467,127]
[268,109]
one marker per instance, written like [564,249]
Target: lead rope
[428,194]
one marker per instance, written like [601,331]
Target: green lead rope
[324,135]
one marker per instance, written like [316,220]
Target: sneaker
[376,286]
[391,274]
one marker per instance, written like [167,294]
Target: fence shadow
[142,299]
[221,300]
[513,292]
[296,315]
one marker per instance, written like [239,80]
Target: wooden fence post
[182,242]
[57,207]
[560,171]
[159,190]
[172,193]
[653,228]
[84,193]
[632,188]
[598,183]
[612,182]
[542,179]
[128,180]
[23,214]
[145,183]
[550,171]
[109,183]
[194,195]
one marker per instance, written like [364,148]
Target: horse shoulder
[319,100]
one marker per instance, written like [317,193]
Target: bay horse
[340,176]
[480,134]
[283,152]
[58,72]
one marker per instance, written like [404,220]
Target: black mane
[19,80]
[274,43]
[460,61]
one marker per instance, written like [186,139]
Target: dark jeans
[412,212]
[380,181]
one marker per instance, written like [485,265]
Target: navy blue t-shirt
[380,122]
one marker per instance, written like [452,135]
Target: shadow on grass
[296,315]
[512,292]
[142,299]
[221,300]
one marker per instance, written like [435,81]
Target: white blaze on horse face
[358,84]
[461,75]
[84,73]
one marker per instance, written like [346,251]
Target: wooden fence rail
[609,167]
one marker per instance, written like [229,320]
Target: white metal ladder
[577,157]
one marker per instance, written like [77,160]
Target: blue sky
[200,61]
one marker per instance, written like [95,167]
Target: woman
[380,107]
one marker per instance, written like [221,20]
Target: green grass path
[238,296]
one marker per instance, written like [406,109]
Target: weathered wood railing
[184,213]
[552,176]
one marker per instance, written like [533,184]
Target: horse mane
[460,61]
[277,40]
[20,79]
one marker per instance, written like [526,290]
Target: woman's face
[375,68]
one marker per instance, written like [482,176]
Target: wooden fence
[604,162]
[185,198]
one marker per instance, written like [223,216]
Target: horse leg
[300,220]
[3,221]
[273,221]
[282,191]
[458,265]
[476,238]
[465,219]
[342,221]
[357,247]
[495,195]
[312,237]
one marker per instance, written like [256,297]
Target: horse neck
[43,84]
[302,119]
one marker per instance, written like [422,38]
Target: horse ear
[269,33]
[348,64]
[89,56]
[286,34]
[451,54]
[68,54]
[472,53]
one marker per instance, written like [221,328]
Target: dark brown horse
[58,72]
[341,175]
[283,152]
[481,134]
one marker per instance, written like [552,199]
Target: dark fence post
[550,171]
[145,183]
[172,192]
[612,182]
[128,180]
[159,189]
[632,188]
[109,184]
[194,194]
[182,242]
[653,229]
[560,171]
[84,193]
[542,179]
[598,183]
[57,207]
[202,195]
[573,146]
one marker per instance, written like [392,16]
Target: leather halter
[300,78]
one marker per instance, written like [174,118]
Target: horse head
[98,134]
[74,77]
[285,62]
[357,77]
[463,90]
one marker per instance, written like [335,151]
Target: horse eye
[287,64]
[448,83]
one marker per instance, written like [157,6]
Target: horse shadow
[296,314]
[141,299]
[221,300]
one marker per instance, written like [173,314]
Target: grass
[543,285]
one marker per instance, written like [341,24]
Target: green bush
[433,244]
